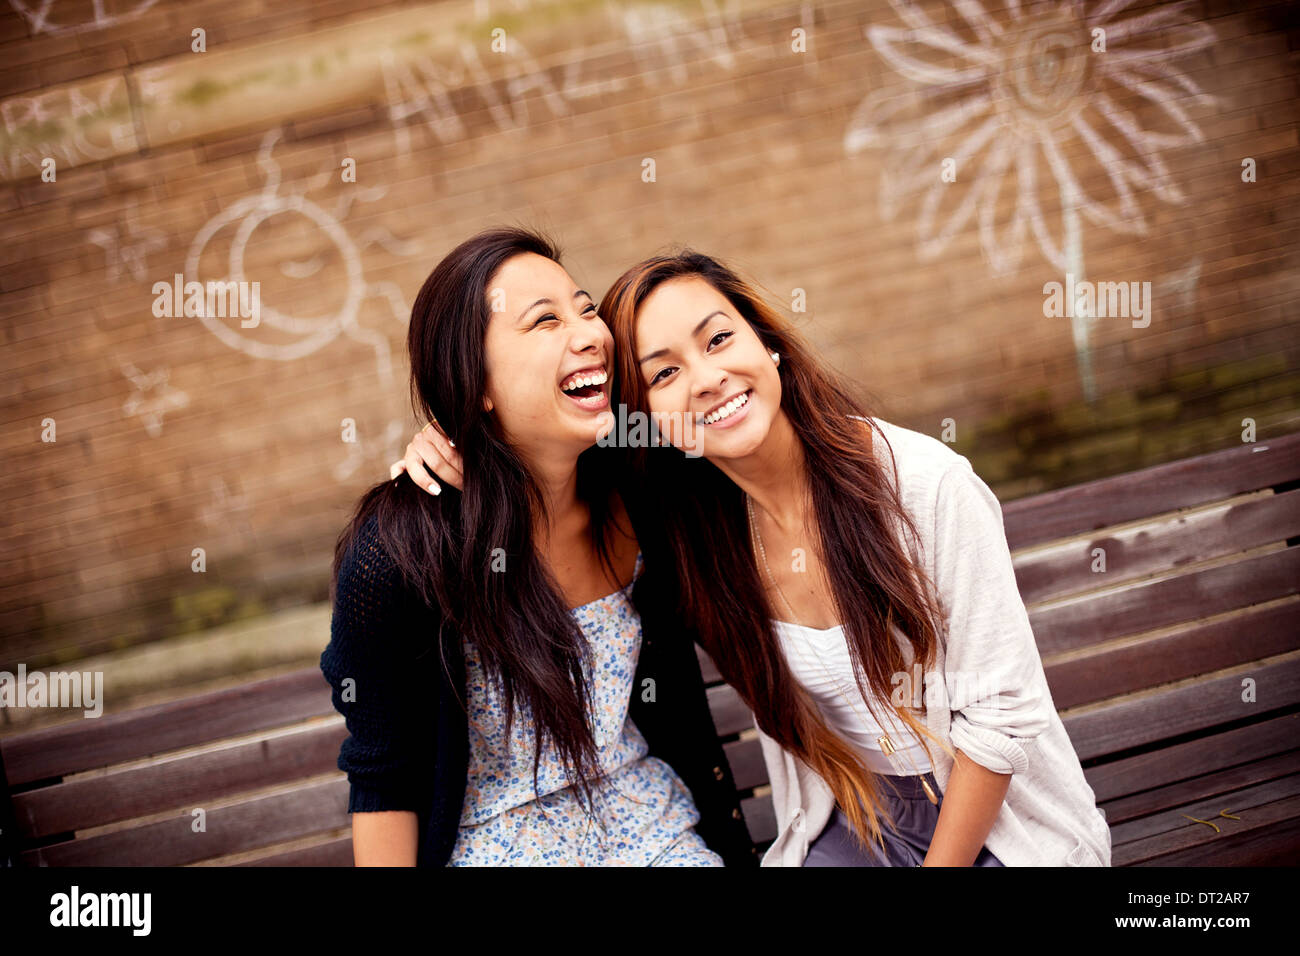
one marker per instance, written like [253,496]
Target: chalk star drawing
[1027,91]
[391,443]
[226,510]
[152,397]
[129,252]
[38,15]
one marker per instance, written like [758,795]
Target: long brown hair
[874,582]
[445,547]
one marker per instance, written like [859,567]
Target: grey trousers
[915,818]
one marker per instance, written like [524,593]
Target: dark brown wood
[1271,839]
[1169,839]
[1163,603]
[1151,718]
[1240,801]
[1203,787]
[246,825]
[335,852]
[115,738]
[135,792]
[1151,491]
[1192,758]
[1147,549]
[1196,649]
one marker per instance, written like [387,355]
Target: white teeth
[727,410]
[595,378]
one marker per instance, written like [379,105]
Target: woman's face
[708,376]
[544,340]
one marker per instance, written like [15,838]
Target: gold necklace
[886,744]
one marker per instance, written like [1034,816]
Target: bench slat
[1150,491]
[1268,838]
[335,852]
[1203,787]
[1241,801]
[246,825]
[760,819]
[1196,649]
[731,715]
[116,738]
[189,780]
[708,670]
[1184,760]
[1147,719]
[748,769]
[1157,546]
[1163,603]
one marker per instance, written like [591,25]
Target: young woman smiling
[847,576]
[515,691]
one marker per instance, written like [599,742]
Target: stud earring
[776,357]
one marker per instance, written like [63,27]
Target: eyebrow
[694,332]
[549,302]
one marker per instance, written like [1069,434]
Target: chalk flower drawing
[1025,88]
[1020,94]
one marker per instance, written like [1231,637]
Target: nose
[709,382]
[586,337]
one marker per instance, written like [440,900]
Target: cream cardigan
[993,703]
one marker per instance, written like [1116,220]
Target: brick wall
[818,169]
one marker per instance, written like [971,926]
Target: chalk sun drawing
[305,334]
[1027,91]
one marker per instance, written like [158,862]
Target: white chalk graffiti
[128,252]
[661,38]
[392,444]
[152,397]
[1026,93]
[38,15]
[224,510]
[305,335]
[73,124]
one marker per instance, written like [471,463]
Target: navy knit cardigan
[408,744]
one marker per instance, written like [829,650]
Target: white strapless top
[819,660]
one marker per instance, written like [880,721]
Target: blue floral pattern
[647,812]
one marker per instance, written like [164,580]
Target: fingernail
[435,488]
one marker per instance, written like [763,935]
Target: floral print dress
[647,812]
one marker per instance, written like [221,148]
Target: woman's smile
[588,388]
[729,413]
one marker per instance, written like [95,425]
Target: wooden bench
[1146,662]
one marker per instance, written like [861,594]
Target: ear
[487,404]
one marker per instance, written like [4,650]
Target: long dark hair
[874,582]
[449,547]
